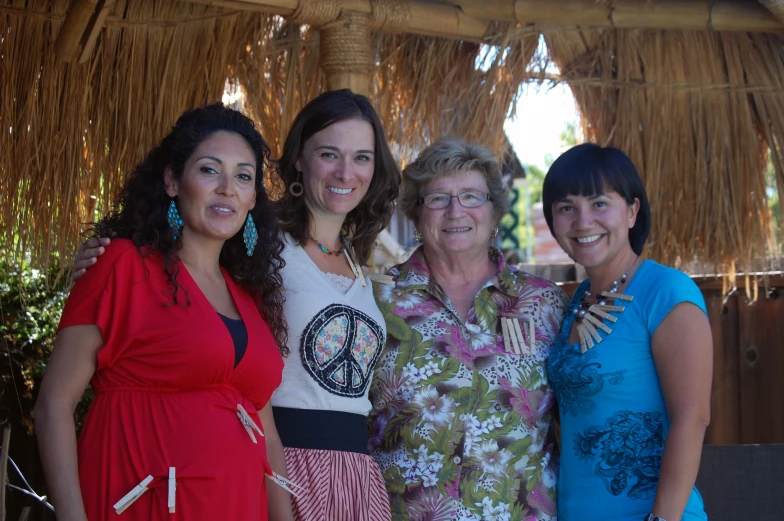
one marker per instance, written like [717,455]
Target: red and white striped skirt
[339,486]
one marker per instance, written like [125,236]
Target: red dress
[166,395]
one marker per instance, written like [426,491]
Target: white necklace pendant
[592,319]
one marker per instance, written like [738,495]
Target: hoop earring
[250,235]
[418,236]
[175,221]
[296,188]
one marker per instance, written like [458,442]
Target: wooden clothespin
[172,489]
[382,278]
[135,493]
[284,483]
[532,335]
[356,269]
[620,296]
[248,423]
[505,333]
[514,341]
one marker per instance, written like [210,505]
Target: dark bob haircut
[589,169]
[373,213]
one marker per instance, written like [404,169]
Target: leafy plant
[31,302]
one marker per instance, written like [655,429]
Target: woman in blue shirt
[632,367]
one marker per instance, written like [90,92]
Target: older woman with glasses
[462,413]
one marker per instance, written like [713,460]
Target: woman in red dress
[177,331]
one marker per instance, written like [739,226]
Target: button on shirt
[460,427]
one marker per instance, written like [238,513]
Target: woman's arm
[279,501]
[88,254]
[683,352]
[67,375]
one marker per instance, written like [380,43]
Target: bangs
[587,172]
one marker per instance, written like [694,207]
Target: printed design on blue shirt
[576,378]
[339,349]
[628,449]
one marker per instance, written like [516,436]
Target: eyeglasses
[438,201]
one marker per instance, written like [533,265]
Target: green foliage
[31,302]
[772,194]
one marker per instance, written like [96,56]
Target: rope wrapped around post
[316,13]
[391,16]
[345,44]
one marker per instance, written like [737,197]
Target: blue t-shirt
[613,416]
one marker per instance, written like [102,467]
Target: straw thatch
[694,110]
[71,131]
[77,129]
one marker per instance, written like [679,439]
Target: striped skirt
[340,486]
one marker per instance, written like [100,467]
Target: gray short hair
[445,157]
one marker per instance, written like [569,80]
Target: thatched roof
[695,109]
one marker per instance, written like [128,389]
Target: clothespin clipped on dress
[513,336]
[248,423]
[355,268]
[532,335]
[135,493]
[348,251]
[382,278]
[172,489]
[284,483]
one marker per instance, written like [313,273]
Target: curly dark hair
[373,213]
[140,213]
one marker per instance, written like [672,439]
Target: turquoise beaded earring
[250,235]
[175,221]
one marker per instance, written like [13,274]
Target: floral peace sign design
[339,349]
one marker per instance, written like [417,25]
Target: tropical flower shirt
[461,428]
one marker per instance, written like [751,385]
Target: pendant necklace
[590,317]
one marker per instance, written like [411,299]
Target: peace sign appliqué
[339,349]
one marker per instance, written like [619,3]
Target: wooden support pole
[719,15]
[75,23]
[345,52]
[776,7]
[467,19]
[95,29]
[4,468]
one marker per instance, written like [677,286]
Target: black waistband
[326,430]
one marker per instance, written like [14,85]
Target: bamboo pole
[93,31]
[4,468]
[467,19]
[345,52]
[776,7]
[76,21]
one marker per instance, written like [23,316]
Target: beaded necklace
[589,317]
[325,250]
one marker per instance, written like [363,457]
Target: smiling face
[594,230]
[455,229]
[217,188]
[337,166]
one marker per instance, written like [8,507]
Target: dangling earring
[175,221]
[250,235]
[296,187]
[418,236]
[495,233]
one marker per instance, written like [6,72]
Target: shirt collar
[415,274]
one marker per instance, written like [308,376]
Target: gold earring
[418,236]
[296,189]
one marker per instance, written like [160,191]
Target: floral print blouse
[462,429]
